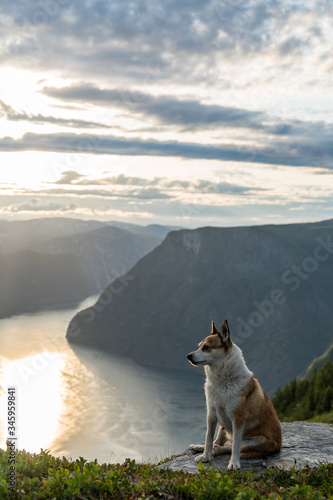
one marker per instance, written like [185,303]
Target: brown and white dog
[236,401]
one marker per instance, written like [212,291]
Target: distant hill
[29,234]
[273,283]
[104,253]
[100,251]
[155,230]
[31,281]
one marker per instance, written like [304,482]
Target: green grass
[326,418]
[42,476]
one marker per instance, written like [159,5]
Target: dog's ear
[214,330]
[224,331]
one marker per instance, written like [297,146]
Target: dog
[236,401]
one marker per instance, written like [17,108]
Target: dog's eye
[205,348]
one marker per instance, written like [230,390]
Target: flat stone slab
[303,443]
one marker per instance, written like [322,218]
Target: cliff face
[273,284]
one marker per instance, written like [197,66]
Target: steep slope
[273,283]
[104,253]
[30,281]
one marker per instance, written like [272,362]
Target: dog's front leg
[237,432]
[207,455]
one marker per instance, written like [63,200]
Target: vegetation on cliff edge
[307,399]
[42,476]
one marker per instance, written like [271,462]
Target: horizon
[173,227]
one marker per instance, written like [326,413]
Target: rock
[302,443]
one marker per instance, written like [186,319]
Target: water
[77,401]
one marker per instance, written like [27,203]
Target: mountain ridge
[98,252]
[105,252]
[261,278]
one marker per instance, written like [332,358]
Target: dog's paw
[197,447]
[203,458]
[234,464]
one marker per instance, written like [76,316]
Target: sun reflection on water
[76,401]
[39,399]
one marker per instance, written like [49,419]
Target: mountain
[29,234]
[98,251]
[32,281]
[155,230]
[104,253]
[273,283]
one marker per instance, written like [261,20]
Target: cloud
[118,180]
[36,205]
[169,110]
[156,188]
[184,40]
[10,114]
[302,151]
[209,187]
[192,115]
[290,45]
[140,194]
[68,177]
[200,186]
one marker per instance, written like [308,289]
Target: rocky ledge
[302,443]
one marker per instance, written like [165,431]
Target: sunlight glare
[39,404]
[26,170]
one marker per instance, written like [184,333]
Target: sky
[183,113]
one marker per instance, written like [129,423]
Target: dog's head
[213,347]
